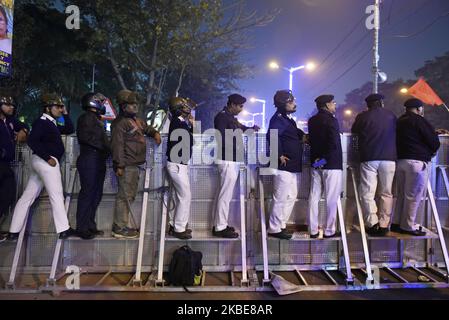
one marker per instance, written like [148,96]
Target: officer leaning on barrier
[327,165]
[91,163]
[376,131]
[417,142]
[229,162]
[47,146]
[290,149]
[180,139]
[128,153]
[11,131]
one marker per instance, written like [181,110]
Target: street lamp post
[264,102]
[310,66]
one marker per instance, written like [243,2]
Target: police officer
[417,142]
[91,163]
[376,131]
[128,153]
[11,131]
[290,149]
[231,154]
[179,153]
[47,146]
[327,165]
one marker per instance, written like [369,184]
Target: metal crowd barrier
[394,261]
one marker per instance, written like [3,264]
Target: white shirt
[48,117]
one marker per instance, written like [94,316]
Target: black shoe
[415,233]
[373,231]
[124,233]
[335,235]
[12,236]
[85,234]
[226,233]
[96,232]
[232,229]
[382,232]
[314,236]
[395,228]
[171,230]
[283,235]
[182,235]
[67,234]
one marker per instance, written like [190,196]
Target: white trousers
[329,182]
[179,174]
[42,175]
[285,191]
[411,185]
[229,173]
[372,174]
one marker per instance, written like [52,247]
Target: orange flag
[425,93]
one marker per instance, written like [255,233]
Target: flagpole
[446,107]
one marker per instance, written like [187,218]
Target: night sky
[310,29]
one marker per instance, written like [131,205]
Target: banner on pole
[6,35]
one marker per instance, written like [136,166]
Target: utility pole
[376,56]
[93,78]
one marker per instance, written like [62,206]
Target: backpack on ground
[185,267]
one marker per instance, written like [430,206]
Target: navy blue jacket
[45,137]
[416,138]
[325,140]
[223,121]
[180,123]
[289,141]
[7,138]
[376,131]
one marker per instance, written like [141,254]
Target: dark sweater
[7,138]
[325,141]
[177,123]
[45,137]
[416,138]
[376,131]
[289,141]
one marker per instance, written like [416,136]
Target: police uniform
[9,126]
[376,131]
[417,143]
[46,143]
[230,156]
[285,180]
[180,140]
[325,143]
[91,163]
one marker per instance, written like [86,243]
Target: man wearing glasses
[11,131]
[327,165]
[290,149]
[47,146]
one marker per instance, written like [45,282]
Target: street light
[264,102]
[404,90]
[348,112]
[309,66]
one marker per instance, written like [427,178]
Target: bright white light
[274,65]
[311,66]
[252,100]
[348,112]
[404,90]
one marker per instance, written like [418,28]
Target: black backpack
[184,266]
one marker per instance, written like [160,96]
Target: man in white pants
[417,143]
[376,131]
[48,149]
[327,165]
[228,162]
[179,153]
[290,149]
